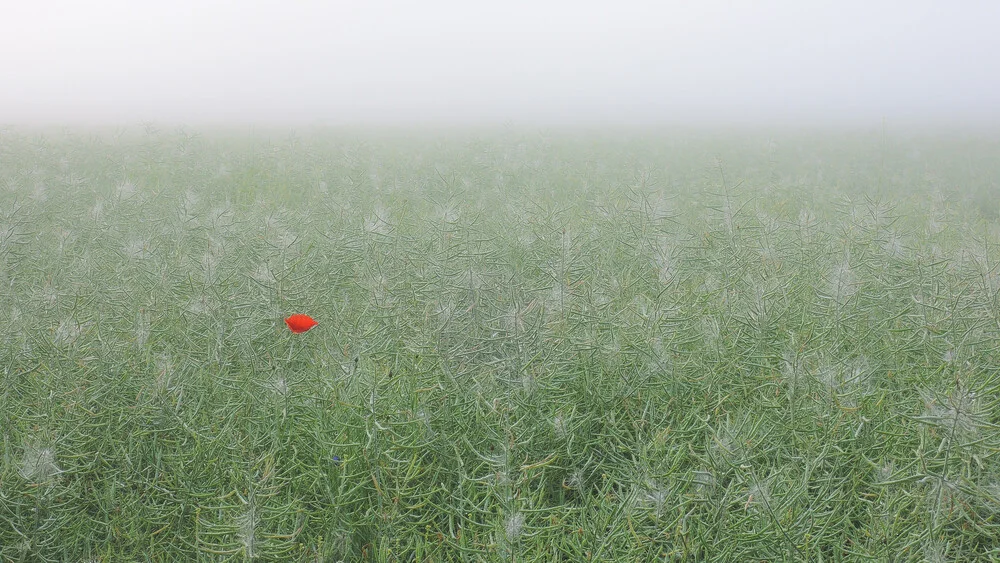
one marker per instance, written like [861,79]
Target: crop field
[532,346]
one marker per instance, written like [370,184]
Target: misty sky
[493,62]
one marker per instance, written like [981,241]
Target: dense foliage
[531,347]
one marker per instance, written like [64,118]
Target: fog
[502,62]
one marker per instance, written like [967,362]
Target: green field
[531,346]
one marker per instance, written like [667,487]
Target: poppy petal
[300,323]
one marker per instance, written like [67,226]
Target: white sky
[466,61]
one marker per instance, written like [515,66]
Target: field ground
[531,347]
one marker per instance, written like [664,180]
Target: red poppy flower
[300,323]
